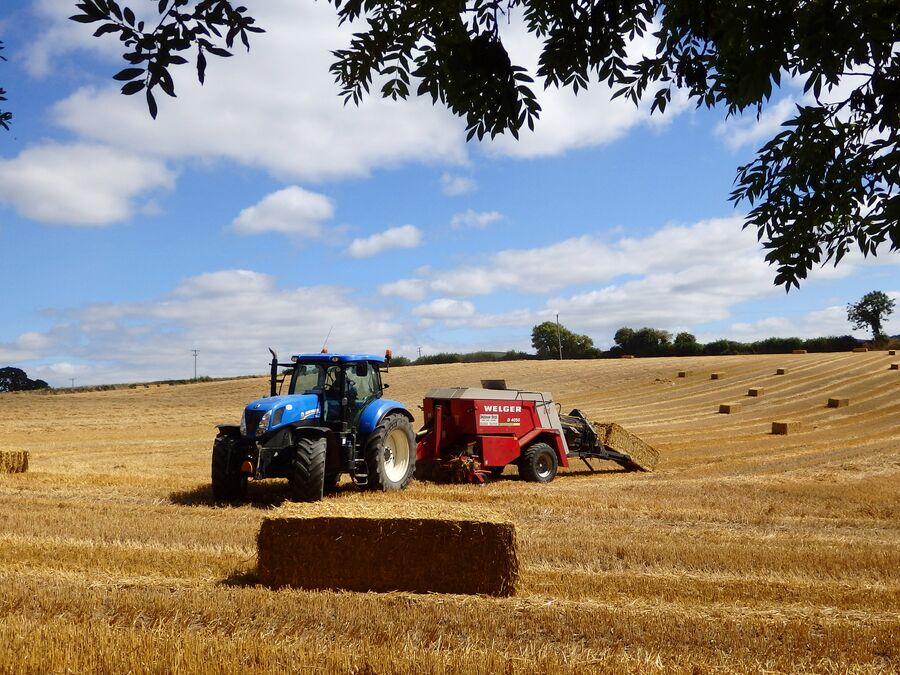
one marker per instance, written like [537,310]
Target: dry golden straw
[359,551]
[798,351]
[785,428]
[728,408]
[13,461]
[683,373]
[643,455]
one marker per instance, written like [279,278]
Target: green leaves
[208,26]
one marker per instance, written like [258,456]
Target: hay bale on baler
[644,457]
[394,547]
[13,461]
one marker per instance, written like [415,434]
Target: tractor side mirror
[362,369]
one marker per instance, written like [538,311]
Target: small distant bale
[798,351]
[626,356]
[784,428]
[684,373]
[756,391]
[895,366]
[892,352]
[729,408]
[384,554]
[838,402]
[781,371]
[13,461]
[860,349]
[716,376]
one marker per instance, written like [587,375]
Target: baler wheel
[538,463]
[391,454]
[228,483]
[307,480]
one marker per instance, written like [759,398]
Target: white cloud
[454,186]
[409,289]
[475,219]
[748,130]
[152,340]
[276,107]
[445,309]
[79,184]
[292,211]
[405,236]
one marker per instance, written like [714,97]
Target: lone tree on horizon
[870,311]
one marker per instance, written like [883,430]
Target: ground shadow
[241,579]
[264,495]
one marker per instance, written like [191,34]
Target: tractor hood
[270,413]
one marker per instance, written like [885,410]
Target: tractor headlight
[263,425]
[244,423]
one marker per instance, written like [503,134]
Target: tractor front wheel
[307,479]
[229,484]
[391,454]
[538,463]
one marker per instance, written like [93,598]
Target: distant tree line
[15,379]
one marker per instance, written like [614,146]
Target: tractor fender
[376,411]
[229,430]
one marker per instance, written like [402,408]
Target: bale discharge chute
[470,433]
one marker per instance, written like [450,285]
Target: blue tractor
[331,419]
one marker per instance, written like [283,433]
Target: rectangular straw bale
[895,366]
[781,371]
[756,391]
[644,457]
[716,376]
[382,554]
[626,356]
[13,461]
[892,352]
[860,349]
[838,402]
[798,351]
[784,428]
[728,408]
[684,373]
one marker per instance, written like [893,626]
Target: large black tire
[308,476]
[391,454]
[538,463]
[228,483]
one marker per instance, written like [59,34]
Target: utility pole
[420,352]
[73,382]
[195,352]
[558,336]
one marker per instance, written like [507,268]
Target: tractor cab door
[363,381]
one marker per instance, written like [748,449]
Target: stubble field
[745,551]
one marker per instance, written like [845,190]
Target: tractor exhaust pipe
[273,372]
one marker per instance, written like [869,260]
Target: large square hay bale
[756,391]
[784,428]
[729,408]
[781,371]
[643,455]
[716,376]
[838,402]
[798,351]
[626,356]
[684,373]
[13,461]
[400,548]
[860,350]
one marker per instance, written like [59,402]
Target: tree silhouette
[870,311]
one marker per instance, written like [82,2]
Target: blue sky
[259,211]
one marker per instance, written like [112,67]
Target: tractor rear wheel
[538,463]
[307,479]
[391,454]
[228,483]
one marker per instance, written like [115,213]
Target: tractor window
[307,376]
[366,386]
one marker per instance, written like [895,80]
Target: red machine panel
[503,417]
